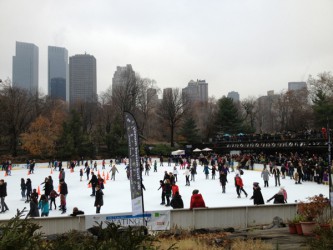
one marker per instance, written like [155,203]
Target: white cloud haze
[249,46]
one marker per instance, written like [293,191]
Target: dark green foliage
[111,237]
[228,119]
[159,149]
[74,240]
[116,237]
[323,239]
[74,142]
[20,233]
[190,131]
[323,109]
[114,139]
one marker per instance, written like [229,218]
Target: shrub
[312,209]
[160,149]
[323,239]
[20,233]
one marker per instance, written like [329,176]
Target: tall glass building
[25,67]
[58,84]
[83,79]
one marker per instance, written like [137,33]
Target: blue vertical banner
[134,164]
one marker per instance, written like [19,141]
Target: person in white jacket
[175,173]
[187,176]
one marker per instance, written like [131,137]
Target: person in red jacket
[174,189]
[239,186]
[197,200]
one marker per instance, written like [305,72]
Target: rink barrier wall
[237,217]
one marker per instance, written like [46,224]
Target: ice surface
[117,197]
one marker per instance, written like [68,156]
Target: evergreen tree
[73,141]
[323,109]
[113,138]
[227,118]
[190,131]
[321,92]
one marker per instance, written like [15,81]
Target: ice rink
[117,197]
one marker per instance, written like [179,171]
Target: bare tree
[172,109]
[293,110]
[124,95]
[323,82]
[17,113]
[147,101]
[250,110]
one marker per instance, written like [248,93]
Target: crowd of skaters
[299,167]
[46,201]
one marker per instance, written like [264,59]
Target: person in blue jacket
[43,205]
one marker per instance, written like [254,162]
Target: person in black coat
[93,181]
[98,199]
[76,212]
[276,172]
[162,186]
[63,187]
[63,191]
[300,173]
[177,201]
[34,211]
[257,195]
[23,189]
[29,190]
[223,178]
[168,189]
[3,194]
[278,198]
[48,187]
[87,170]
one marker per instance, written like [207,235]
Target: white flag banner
[156,220]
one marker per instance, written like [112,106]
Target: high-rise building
[58,88]
[296,85]
[196,91]
[266,113]
[234,96]
[25,67]
[82,79]
[122,76]
[166,92]
[58,84]
[152,95]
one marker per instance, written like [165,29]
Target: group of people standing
[47,199]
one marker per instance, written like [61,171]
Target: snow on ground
[117,197]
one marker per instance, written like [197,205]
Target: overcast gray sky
[249,46]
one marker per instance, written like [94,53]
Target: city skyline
[247,46]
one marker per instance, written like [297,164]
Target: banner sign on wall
[134,164]
[156,220]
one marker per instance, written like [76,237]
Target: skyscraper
[58,84]
[234,96]
[25,67]
[296,85]
[197,91]
[83,79]
[122,76]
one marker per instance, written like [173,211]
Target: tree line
[48,128]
